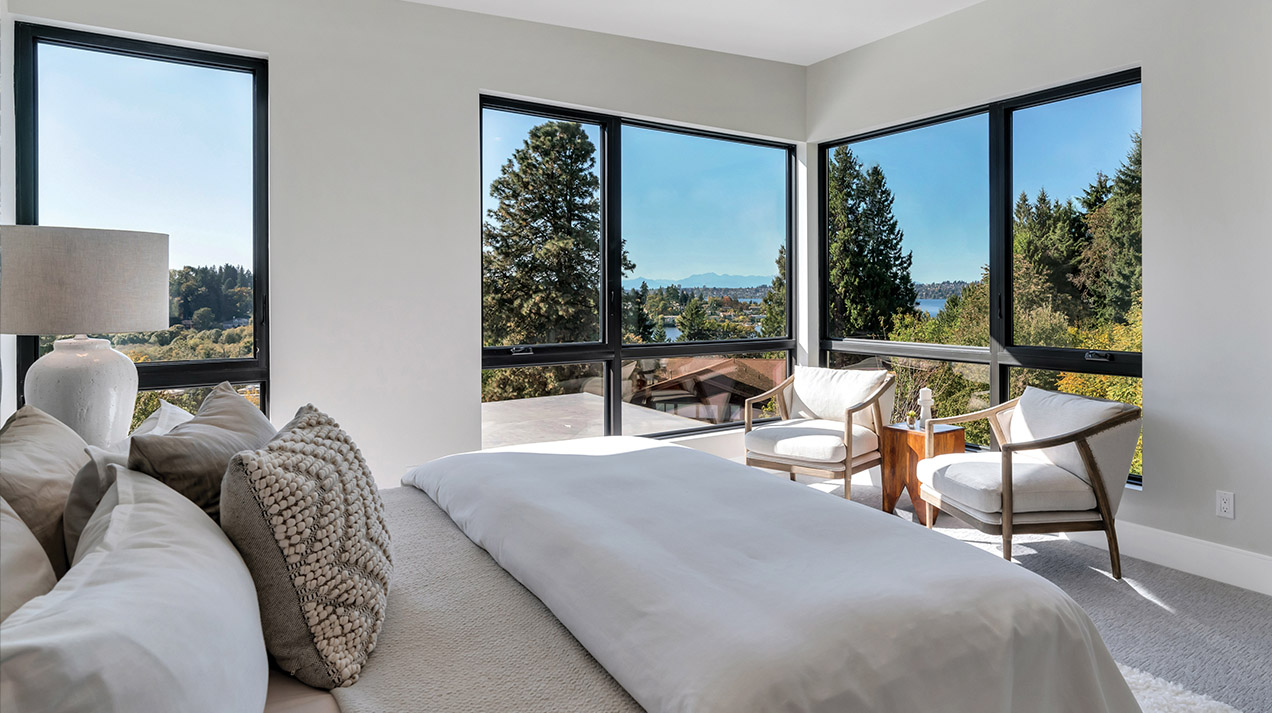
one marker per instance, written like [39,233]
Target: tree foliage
[773,303]
[541,245]
[869,284]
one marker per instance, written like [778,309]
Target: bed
[699,584]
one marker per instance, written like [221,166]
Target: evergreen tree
[637,325]
[541,257]
[692,322]
[869,280]
[773,324]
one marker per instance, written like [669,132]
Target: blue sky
[690,205]
[149,145]
[939,174]
[141,144]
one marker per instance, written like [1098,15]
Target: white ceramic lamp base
[87,385]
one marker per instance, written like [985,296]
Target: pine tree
[692,322]
[1112,271]
[541,257]
[637,324]
[773,324]
[870,284]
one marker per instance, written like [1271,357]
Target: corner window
[992,249]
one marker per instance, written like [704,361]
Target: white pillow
[92,481]
[826,393]
[1042,414]
[158,614]
[25,572]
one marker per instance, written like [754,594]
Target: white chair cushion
[820,393]
[1042,414]
[817,440]
[976,479]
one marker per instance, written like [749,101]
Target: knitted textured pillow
[305,514]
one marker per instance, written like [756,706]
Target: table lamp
[80,281]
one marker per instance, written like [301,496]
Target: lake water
[930,306]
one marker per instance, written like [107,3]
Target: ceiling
[797,31]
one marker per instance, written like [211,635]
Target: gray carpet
[1211,638]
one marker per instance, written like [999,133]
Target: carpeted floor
[1211,638]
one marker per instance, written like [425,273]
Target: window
[634,276]
[704,238]
[116,133]
[908,235]
[1040,195]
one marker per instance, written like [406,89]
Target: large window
[995,248]
[634,277]
[117,133]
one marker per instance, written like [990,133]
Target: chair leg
[1007,545]
[847,485]
[1114,556]
[792,476]
[929,514]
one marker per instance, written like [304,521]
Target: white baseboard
[1222,563]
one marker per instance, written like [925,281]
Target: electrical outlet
[1225,504]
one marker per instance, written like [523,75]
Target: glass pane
[541,232]
[189,399]
[529,404]
[908,235]
[1127,389]
[676,393]
[704,238]
[1076,236]
[957,387]
[141,144]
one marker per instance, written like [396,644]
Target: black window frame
[1002,354]
[611,351]
[151,375]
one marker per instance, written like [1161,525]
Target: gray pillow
[39,456]
[305,514]
[94,479]
[191,458]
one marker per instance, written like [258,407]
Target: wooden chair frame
[932,500]
[829,470]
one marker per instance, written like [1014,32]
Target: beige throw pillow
[39,456]
[191,458]
[25,572]
[305,514]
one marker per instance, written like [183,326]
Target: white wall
[1207,99]
[375,186]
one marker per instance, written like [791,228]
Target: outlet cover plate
[1225,504]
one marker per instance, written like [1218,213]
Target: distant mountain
[705,279]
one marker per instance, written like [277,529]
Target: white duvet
[704,585]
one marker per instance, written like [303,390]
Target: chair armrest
[1076,435]
[872,398]
[872,401]
[929,426]
[749,404]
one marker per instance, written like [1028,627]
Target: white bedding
[704,585]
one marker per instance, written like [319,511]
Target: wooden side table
[902,449]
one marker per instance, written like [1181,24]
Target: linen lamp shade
[80,281]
